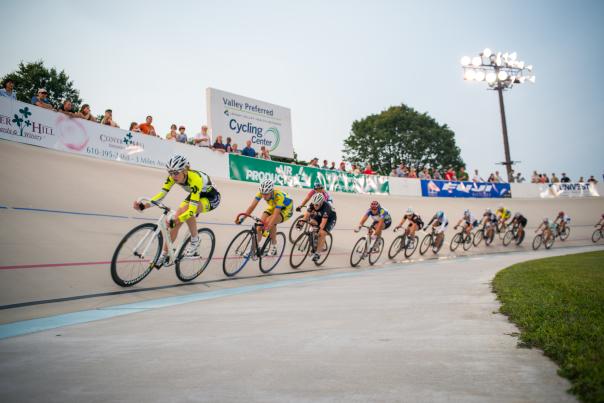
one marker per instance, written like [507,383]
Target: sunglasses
[174,173]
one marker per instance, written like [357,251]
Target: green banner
[256,170]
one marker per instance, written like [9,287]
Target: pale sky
[333,62]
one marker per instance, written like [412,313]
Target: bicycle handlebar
[258,220]
[162,206]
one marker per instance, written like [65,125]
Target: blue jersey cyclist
[381,219]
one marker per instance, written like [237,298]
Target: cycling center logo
[274,132]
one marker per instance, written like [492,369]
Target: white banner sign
[242,119]
[29,124]
[569,190]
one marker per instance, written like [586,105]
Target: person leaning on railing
[85,113]
[41,99]
[8,89]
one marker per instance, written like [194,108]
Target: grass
[558,304]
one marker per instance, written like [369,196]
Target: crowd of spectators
[543,178]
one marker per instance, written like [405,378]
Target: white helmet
[410,210]
[177,163]
[466,212]
[317,198]
[488,211]
[267,186]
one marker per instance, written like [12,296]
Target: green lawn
[558,304]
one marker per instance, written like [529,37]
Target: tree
[31,76]
[402,135]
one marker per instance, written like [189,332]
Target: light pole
[500,72]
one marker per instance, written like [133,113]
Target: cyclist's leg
[259,230]
[440,235]
[378,228]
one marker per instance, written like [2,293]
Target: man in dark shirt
[248,151]
[321,214]
[564,179]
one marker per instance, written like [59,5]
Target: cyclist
[279,202]
[415,223]
[489,222]
[440,225]
[469,222]
[322,214]
[503,215]
[381,219]
[317,188]
[600,223]
[520,221]
[203,197]
[548,229]
[561,221]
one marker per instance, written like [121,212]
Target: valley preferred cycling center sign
[242,119]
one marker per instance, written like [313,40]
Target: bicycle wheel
[269,262]
[520,238]
[426,243]
[595,237]
[489,239]
[300,250]
[467,244]
[508,238]
[326,249]
[565,234]
[238,253]
[457,239]
[436,249]
[537,240]
[294,233]
[189,268]
[478,236]
[376,250]
[409,251]
[358,252]
[396,246]
[549,243]
[128,267]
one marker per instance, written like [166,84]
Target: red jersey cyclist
[203,197]
[317,188]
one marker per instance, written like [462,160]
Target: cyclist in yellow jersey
[503,214]
[280,209]
[203,197]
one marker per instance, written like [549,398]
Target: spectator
[424,174]
[546,179]
[581,180]
[564,179]
[355,169]
[535,178]
[7,89]
[147,127]
[368,170]
[248,151]
[325,165]
[264,153]
[314,163]
[333,166]
[181,137]
[400,170]
[108,119]
[342,166]
[492,178]
[555,178]
[219,145]
[412,173]
[498,178]
[41,99]
[592,180]
[172,134]
[134,127]
[66,108]
[235,149]
[85,113]
[202,139]
[228,146]
[463,175]
[476,177]
[520,178]
[436,175]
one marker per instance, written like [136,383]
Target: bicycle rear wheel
[396,246]
[549,243]
[409,251]
[489,239]
[269,262]
[358,252]
[300,250]
[128,266]
[436,249]
[294,233]
[426,243]
[537,240]
[520,238]
[189,268]
[238,253]
[565,234]
[467,243]
[376,250]
[326,251]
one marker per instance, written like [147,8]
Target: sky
[334,62]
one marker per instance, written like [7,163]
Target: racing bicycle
[482,234]
[540,239]
[597,234]
[512,235]
[307,244]
[461,238]
[403,242]
[429,241]
[363,249]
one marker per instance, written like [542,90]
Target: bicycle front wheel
[326,249]
[537,241]
[508,238]
[426,243]
[300,250]
[238,253]
[376,251]
[457,239]
[478,235]
[294,232]
[267,261]
[189,268]
[396,246]
[358,252]
[136,254]
[595,237]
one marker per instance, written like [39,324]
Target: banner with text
[242,119]
[436,188]
[568,190]
[256,170]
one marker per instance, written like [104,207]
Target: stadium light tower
[501,72]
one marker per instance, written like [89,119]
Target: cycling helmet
[318,185]
[266,186]
[410,211]
[374,205]
[317,198]
[466,212]
[500,208]
[517,215]
[560,213]
[177,163]
[545,219]
[488,211]
[439,214]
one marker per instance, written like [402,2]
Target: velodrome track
[419,330]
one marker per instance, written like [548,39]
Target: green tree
[31,76]
[401,134]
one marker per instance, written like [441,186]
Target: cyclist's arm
[363,219]
[402,222]
[252,206]
[308,196]
[431,221]
[323,223]
[164,190]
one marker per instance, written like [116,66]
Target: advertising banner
[29,124]
[242,118]
[568,190]
[435,188]
[256,170]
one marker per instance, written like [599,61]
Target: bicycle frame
[161,227]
